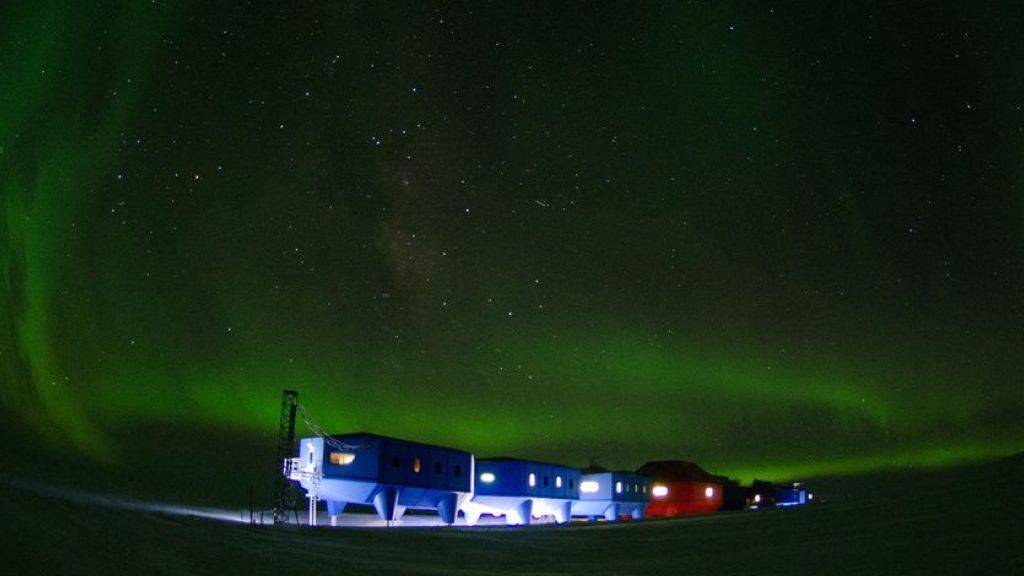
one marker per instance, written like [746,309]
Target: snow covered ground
[959,521]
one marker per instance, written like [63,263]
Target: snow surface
[961,521]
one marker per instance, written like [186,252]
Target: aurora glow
[783,242]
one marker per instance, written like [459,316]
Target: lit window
[588,486]
[533,480]
[487,477]
[416,465]
[558,481]
[709,492]
[660,491]
[757,498]
[342,458]
[645,488]
[618,487]
[810,496]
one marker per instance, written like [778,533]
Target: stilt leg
[334,509]
[386,503]
[563,513]
[472,516]
[611,513]
[446,508]
[521,514]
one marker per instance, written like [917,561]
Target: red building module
[681,489]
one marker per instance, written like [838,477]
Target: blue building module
[790,495]
[521,490]
[612,495]
[390,474]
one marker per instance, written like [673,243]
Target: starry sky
[779,240]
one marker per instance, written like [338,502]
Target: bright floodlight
[660,491]
[589,486]
[709,492]
[487,477]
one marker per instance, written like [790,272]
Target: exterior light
[709,492]
[659,491]
[487,477]
[810,496]
[757,498]
[533,479]
[589,486]
[618,487]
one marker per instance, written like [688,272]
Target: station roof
[677,471]
[351,435]
[510,459]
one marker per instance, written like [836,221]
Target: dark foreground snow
[962,521]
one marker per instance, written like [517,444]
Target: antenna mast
[285,444]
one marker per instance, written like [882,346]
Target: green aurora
[694,233]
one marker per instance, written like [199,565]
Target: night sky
[781,240]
